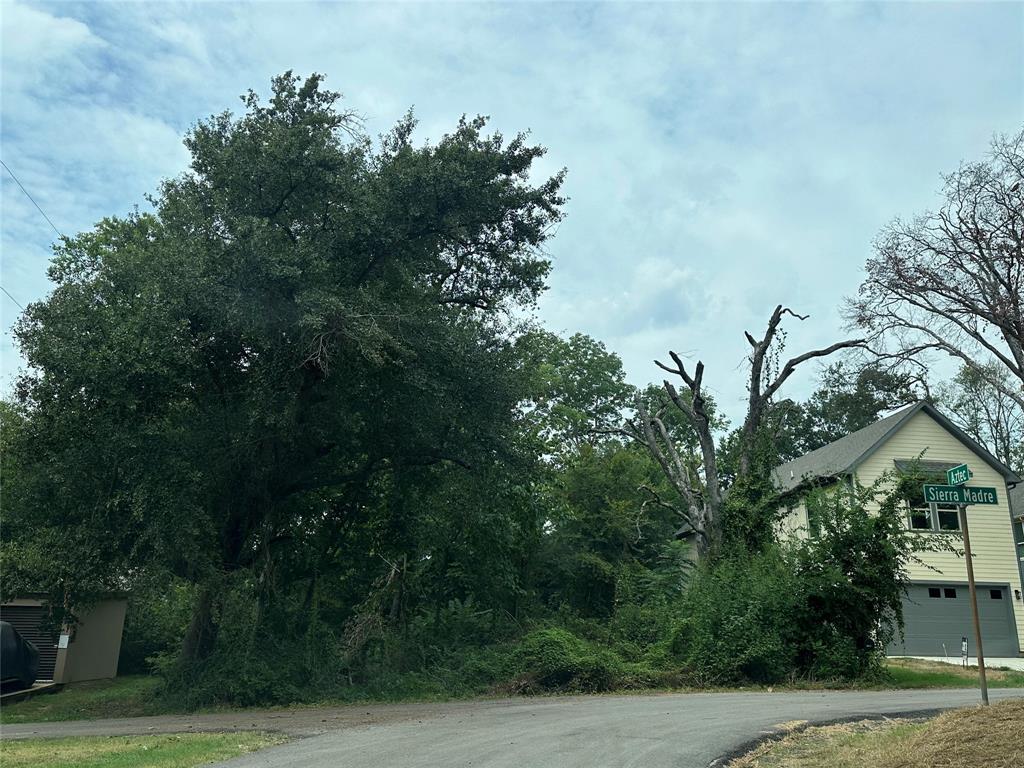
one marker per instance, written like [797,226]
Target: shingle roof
[840,457]
[836,458]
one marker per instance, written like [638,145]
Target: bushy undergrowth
[741,621]
[735,622]
[812,610]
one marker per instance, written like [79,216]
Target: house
[936,608]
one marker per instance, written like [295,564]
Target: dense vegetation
[299,413]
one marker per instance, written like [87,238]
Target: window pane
[949,592]
[949,519]
[921,519]
[996,594]
[934,592]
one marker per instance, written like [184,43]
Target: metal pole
[974,603]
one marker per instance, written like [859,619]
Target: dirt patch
[293,721]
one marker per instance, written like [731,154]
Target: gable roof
[842,456]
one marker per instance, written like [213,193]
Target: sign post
[974,604]
[957,493]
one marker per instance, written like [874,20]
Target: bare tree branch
[952,280]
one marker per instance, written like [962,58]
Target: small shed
[87,651]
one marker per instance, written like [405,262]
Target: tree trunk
[202,630]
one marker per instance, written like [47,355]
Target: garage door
[29,620]
[938,615]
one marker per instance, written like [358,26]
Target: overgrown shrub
[262,656]
[556,659]
[736,623]
[822,608]
[852,575]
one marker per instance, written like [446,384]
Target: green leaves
[578,389]
[237,380]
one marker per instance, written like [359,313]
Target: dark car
[19,659]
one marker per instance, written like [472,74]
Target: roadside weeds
[980,737]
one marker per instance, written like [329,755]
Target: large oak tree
[305,324]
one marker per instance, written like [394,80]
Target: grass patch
[136,695]
[918,673]
[976,736]
[128,696]
[171,751]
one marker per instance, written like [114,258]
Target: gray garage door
[938,615]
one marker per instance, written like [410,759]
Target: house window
[949,592]
[934,592]
[948,517]
[995,594]
[921,519]
[923,516]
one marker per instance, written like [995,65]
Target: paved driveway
[648,731]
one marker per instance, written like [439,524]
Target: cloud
[722,159]
[33,39]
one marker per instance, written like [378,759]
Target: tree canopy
[306,327]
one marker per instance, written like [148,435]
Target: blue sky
[722,158]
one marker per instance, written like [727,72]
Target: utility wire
[52,225]
[32,199]
[11,297]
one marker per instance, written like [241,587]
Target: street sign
[979,495]
[959,494]
[958,475]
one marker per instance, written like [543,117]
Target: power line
[11,297]
[52,225]
[33,203]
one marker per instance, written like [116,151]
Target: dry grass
[978,737]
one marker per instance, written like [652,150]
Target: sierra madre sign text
[959,494]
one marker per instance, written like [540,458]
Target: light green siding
[793,522]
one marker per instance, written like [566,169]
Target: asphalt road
[648,731]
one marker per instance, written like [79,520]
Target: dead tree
[702,498]
[759,392]
[697,484]
[953,281]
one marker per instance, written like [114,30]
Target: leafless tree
[697,483]
[701,496]
[987,414]
[952,281]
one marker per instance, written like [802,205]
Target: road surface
[646,731]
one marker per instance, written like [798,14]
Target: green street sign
[958,475]
[979,495]
[959,494]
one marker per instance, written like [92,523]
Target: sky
[722,158]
